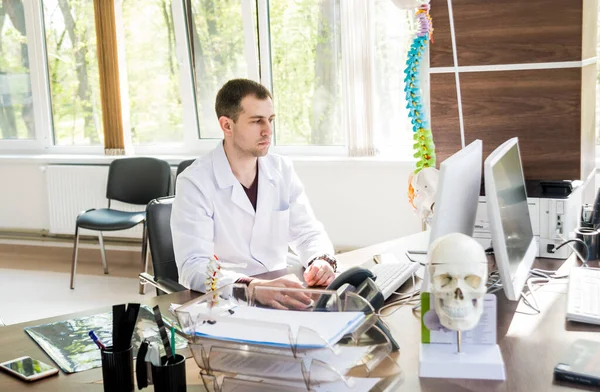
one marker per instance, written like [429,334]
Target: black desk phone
[360,281]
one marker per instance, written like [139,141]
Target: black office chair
[180,168]
[130,180]
[158,224]
[183,165]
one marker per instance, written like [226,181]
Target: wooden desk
[14,342]
[531,345]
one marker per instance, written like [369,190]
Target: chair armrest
[165,285]
[171,285]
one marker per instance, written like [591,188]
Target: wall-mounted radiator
[72,189]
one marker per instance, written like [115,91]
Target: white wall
[24,197]
[360,202]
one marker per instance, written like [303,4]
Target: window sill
[91,159]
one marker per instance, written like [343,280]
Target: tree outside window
[16,104]
[73,71]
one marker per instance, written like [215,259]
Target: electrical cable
[579,241]
[536,276]
[408,254]
[406,299]
[533,305]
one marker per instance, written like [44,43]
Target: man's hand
[320,273]
[280,299]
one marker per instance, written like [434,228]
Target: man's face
[251,133]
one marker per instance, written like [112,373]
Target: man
[247,206]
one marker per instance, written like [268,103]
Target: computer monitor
[506,198]
[457,194]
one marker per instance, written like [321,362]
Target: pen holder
[169,377]
[117,370]
[591,237]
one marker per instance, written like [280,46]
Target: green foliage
[306,91]
[152,72]
[16,119]
[73,70]
[218,39]
[305,55]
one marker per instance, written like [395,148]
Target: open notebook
[277,328]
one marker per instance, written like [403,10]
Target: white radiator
[72,189]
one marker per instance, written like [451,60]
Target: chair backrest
[138,180]
[158,222]
[181,167]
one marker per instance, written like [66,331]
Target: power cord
[585,259]
[534,306]
[539,277]
[406,298]
[536,276]
[494,282]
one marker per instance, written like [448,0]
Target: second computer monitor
[512,235]
[457,194]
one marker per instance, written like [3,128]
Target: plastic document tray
[237,341]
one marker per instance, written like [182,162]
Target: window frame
[38,78]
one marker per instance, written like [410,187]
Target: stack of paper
[271,327]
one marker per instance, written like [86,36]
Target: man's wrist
[328,258]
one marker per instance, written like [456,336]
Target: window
[393,37]
[219,36]
[73,71]
[155,109]
[16,103]
[306,72]
[335,67]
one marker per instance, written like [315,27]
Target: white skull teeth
[457,311]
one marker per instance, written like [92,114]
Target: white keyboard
[583,301]
[390,276]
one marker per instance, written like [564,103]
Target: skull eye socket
[473,281]
[443,280]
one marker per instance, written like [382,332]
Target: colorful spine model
[423,146]
[213,274]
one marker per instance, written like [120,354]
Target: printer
[554,211]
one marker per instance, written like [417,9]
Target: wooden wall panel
[507,31]
[541,107]
[444,116]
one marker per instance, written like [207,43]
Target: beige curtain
[108,67]
[357,48]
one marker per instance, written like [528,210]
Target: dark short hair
[229,97]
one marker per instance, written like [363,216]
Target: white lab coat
[213,215]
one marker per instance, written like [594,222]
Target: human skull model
[425,184]
[458,276]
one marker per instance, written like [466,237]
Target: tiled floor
[32,287]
